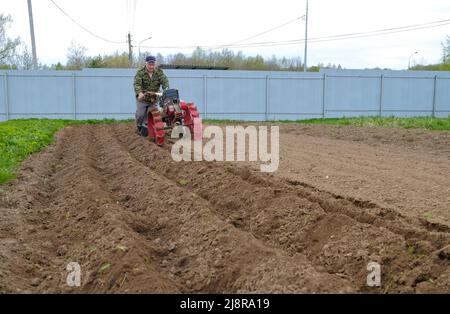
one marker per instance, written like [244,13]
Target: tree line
[77,59]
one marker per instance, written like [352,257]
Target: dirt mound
[136,221]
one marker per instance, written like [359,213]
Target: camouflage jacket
[143,82]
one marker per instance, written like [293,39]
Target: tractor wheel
[191,118]
[155,126]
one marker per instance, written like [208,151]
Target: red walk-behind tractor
[169,113]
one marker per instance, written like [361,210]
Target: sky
[214,22]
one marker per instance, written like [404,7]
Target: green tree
[59,67]
[95,62]
[116,60]
[199,57]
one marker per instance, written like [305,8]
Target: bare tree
[446,51]
[7,45]
[76,56]
[23,58]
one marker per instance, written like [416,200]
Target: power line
[368,33]
[358,35]
[341,37]
[242,40]
[379,32]
[265,32]
[84,28]
[389,29]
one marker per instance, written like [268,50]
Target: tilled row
[26,255]
[339,236]
[196,247]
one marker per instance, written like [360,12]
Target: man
[146,83]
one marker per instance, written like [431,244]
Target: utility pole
[305,69]
[33,42]
[130,50]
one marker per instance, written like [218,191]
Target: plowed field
[137,221]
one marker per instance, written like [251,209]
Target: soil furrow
[303,220]
[203,244]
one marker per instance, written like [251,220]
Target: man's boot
[138,129]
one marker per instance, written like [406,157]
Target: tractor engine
[174,112]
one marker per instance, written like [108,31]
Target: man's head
[150,63]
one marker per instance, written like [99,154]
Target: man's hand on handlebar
[142,95]
[154,94]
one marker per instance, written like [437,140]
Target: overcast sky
[213,22]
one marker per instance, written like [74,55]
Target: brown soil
[101,195]
[403,170]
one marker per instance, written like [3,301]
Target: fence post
[266,112]
[6,95]
[205,95]
[74,96]
[381,95]
[433,114]
[324,94]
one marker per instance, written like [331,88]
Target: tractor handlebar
[153,94]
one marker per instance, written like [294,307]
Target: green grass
[429,123]
[20,138]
